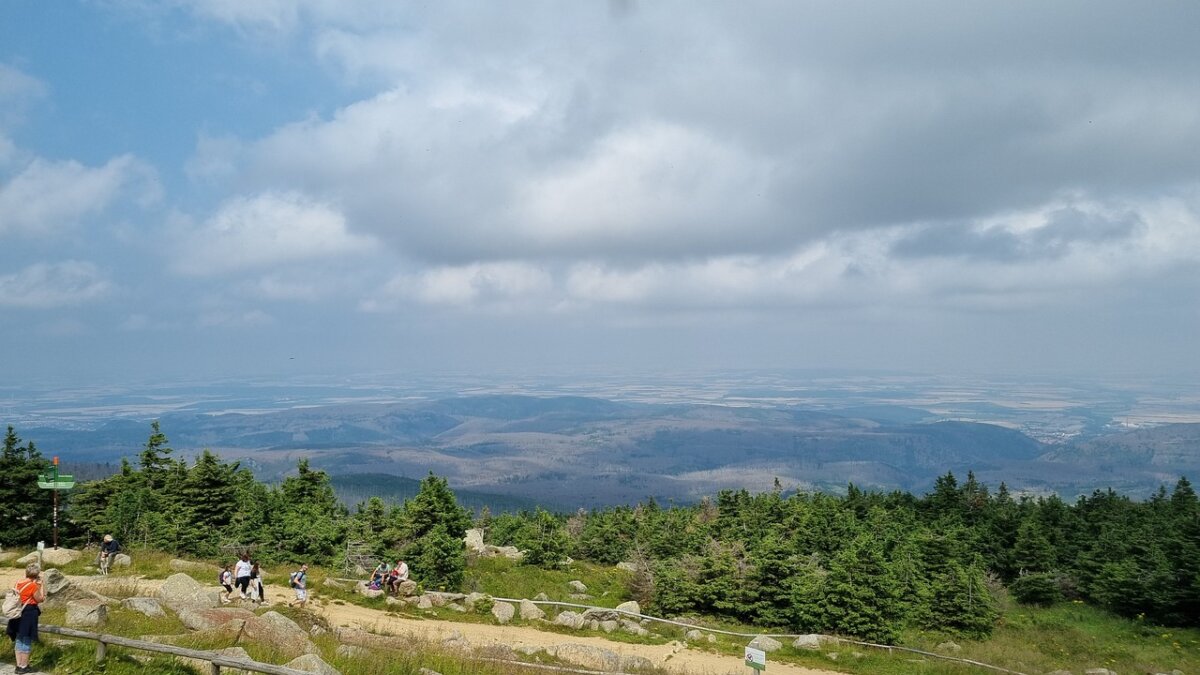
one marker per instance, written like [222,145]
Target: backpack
[13,606]
[293,579]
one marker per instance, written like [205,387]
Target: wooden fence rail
[215,660]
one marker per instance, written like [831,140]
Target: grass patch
[504,578]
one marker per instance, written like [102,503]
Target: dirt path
[673,657]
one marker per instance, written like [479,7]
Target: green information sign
[51,480]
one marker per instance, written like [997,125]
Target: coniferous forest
[865,564]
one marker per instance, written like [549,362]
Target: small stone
[569,619]
[353,651]
[311,663]
[147,606]
[627,566]
[693,635]
[1098,671]
[541,597]
[832,656]
[427,671]
[609,626]
[948,648]
[424,602]
[577,586]
[632,607]
[455,607]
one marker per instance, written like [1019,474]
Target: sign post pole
[51,480]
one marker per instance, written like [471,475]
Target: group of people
[246,577]
[388,577]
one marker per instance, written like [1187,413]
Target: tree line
[212,509]
[871,564]
[868,564]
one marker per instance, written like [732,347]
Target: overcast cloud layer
[213,187]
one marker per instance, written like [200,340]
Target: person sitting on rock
[399,573]
[108,551]
[379,576]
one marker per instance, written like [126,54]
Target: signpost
[51,480]
[756,659]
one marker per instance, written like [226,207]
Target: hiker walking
[299,583]
[225,578]
[23,630]
[242,572]
[256,584]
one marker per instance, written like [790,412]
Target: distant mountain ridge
[580,450]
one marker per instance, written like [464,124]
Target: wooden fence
[216,661]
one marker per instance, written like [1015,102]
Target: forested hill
[577,451]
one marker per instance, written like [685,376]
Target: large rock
[52,557]
[424,602]
[364,590]
[767,644]
[503,611]
[569,619]
[602,614]
[531,612]
[587,656]
[86,613]
[121,560]
[632,607]
[215,617]
[147,606]
[408,588]
[810,641]
[473,598]
[633,627]
[181,592]
[475,544]
[636,663]
[280,632]
[627,566]
[699,636]
[608,626]
[311,663]
[577,586]
[60,590]
[178,565]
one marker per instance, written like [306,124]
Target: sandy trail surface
[674,657]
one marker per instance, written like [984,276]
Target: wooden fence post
[101,651]
[214,669]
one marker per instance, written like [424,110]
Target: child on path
[226,579]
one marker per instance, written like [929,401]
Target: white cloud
[250,318]
[270,229]
[17,91]
[49,285]
[48,197]
[497,285]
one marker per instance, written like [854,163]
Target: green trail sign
[51,480]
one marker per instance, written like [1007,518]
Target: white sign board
[756,658]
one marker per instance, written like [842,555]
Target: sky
[213,188]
